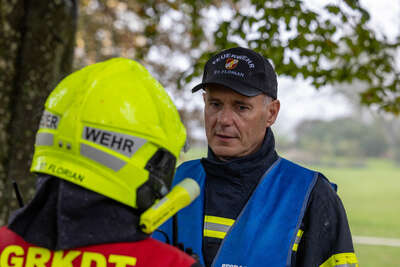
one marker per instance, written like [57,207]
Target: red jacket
[14,251]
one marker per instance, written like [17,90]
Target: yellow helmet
[112,129]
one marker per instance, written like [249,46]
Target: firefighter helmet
[111,128]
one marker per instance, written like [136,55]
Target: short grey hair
[268,99]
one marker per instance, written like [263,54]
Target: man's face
[236,124]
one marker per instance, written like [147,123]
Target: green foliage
[339,48]
[335,47]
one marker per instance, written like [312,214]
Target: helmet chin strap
[161,167]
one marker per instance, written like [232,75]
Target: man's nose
[225,116]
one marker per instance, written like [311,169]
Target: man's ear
[273,110]
[204,96]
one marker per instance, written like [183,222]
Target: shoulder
[325,226]
[189,164]
[293,168]
[3,229]
[324,191]
[171,256]
[9,235]
[190,167]
[325,210]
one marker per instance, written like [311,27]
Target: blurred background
[338,77]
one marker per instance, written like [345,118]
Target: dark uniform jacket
[324,238]
[87,226]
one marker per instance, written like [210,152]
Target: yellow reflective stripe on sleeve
[216,227]
[215,234]
[341,260]
[219,220]
[297,241]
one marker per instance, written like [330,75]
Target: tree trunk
[36,51]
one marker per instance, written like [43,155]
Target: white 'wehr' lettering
[120,143]
[49,120]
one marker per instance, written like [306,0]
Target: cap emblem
[231,63]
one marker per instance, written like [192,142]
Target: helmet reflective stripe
[44,139]
[102,157]
[124,144]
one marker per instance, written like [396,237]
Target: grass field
[377,256]
[371,196]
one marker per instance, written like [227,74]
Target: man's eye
[215,104]
[243,107]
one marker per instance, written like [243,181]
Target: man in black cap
[255,208]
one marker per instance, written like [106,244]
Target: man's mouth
[225,137]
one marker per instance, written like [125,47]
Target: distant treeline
[343,137]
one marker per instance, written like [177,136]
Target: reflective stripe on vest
[216,227]
[298,239]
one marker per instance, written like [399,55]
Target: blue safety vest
[265,230]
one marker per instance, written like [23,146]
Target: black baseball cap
[242,70]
